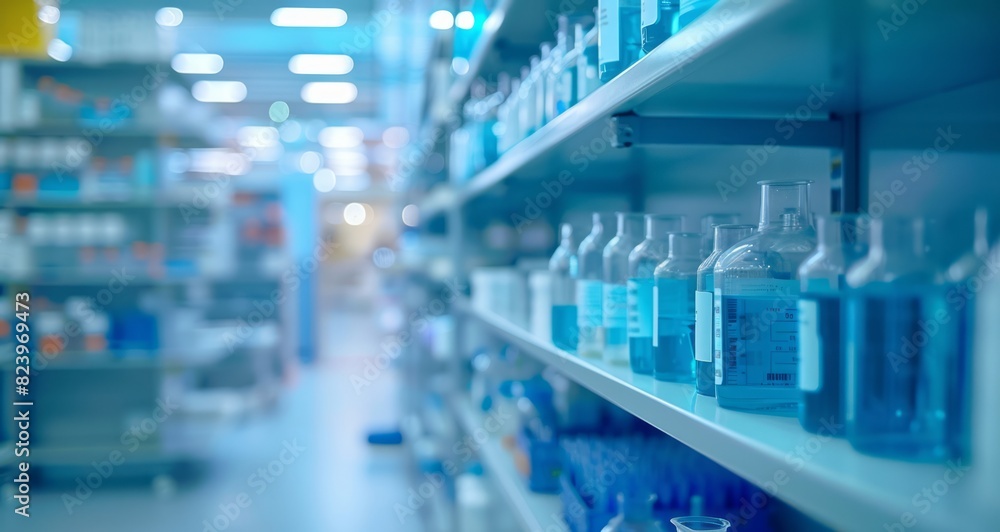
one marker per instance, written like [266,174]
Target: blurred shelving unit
[828,78]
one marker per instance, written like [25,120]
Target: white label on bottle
[656,316]
[640,307]
[589,302]
[607,37]
[810,355]
[717,335]
[760,336]
[650,12]
[703,326]
[615,306]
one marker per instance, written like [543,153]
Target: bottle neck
[784,205]
[659,227]
[902,239]
[727,236]
[685,246]
[630,225]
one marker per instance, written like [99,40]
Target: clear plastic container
[673,309]
[840,245]
[903,371]
[619,41]
[642,262]
[659,22]
[705,348]
[708,223]
[589,275]
[564,328]
[756,295]
[699,523]
[635,514]
[615,315]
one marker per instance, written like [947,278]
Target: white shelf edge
[534,511]
[822,476]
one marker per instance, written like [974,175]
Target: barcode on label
[731,310]
[783,377]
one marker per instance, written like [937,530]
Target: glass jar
[708,223]
[839,246]
[616,253]
[673,309]
[705,348]
[589,276]
[642,262]
[903,368]
[756,300]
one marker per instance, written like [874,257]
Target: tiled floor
[336,482]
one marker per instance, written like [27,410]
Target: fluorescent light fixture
[323,64]
[324,180]
[346,159]
[257,136]
[219,91]
[48,14]
[197,63]
[267,154]
[59,50]
[169,17]
[309,17]
[341,137]
[329,92]
[442,20]
[464,20]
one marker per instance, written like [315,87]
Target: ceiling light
[460,65]
[59,50]
[48,14]
[323,64]
[324,180]
[169,17]
[341,137]
[442,20]
[329,92]
[309,17]
[309,162]
[464,20]
[411,215]
[219,91]
[197,63]
[355,214]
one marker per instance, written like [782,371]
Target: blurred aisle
[336,481]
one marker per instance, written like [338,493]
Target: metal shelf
[822,476]
[535,512]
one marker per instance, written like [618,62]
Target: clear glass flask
[840,244]
[635,514]
[659,21]
[564,328]
[756,300]
[642,261]
[589,276]
[902,367]
[630,233]
[673,309]
[708,223]
[619,42]
[705,348]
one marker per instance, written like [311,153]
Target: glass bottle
[589,275]
[673,309]
[543,68]
[659,22]
[559,80]
[902,365]
[726,236]
[564,329]
[756,304]
[635,514]
[587,75]
[619,43]
[642,261]
[526,102]
[708,223]
[630,231]
[839,246]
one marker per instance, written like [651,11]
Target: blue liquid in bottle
[821,379]
[904,388]
[673,353]
[640,325]
[564,327]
